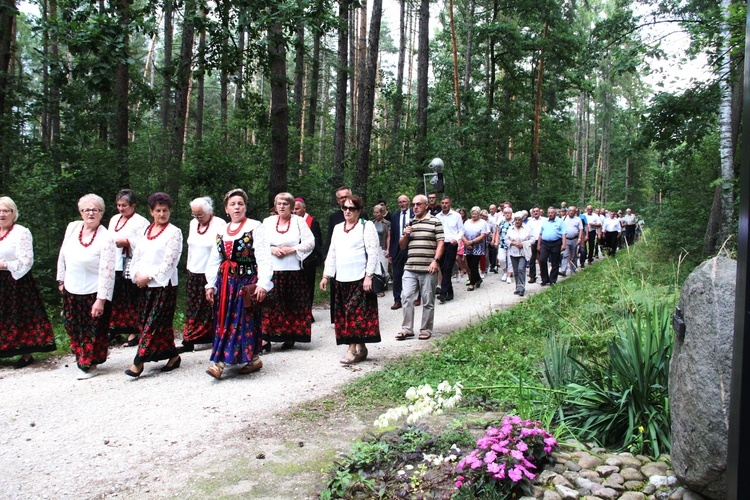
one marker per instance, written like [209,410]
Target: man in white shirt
[535,226]
[628,221]
[453,231]
[573,239]
[595,225]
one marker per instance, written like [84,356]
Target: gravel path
[114,436]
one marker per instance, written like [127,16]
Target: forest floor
[271,434]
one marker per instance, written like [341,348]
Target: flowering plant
[424,401]
[506,457]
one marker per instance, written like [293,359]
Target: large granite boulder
[699,378]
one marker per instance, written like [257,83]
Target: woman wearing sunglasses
[352,260]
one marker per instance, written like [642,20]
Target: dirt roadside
[184,434]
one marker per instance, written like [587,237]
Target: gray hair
[91,198]
[475,209]
[204,202]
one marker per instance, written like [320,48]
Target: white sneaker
[509,280]
[505,277]
[87,375]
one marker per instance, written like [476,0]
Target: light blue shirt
[552,230]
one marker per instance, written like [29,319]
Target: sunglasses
[349,209]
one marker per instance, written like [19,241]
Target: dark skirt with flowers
[288,317]
[156,310]
[237,336]
[124,318]
[24,325]
[199,313]
[355,315]
[88,336]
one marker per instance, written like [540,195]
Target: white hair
[204,202]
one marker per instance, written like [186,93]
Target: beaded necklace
[206,226]
[148,233]
[235,232]
[289,224]
[8,232]
[118,227]
[348,230]
[80,237]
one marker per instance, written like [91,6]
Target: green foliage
[623,403]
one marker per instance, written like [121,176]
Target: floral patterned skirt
[156,310]
[88,336]
[199,313]
[355,316]
[288,316]
[236,337]
[124,318]
[24,325]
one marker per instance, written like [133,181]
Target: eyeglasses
[349,209]
[417,204]
[90,211]
[197,216]
[5,211]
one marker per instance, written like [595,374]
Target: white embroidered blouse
[157,258]
[200,245]
[298,236]
[87,269]
[132,229]
[352,254]
[17,251]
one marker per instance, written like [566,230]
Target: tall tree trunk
[398,97]
[200,97]
[183,79]
[454,49]
[353,12]
[279,112]
[224,72]
[238,91]
[166,92]
[423,63]
[534,164]
[299,79]
[368,102]
[312,114]
[342,71]
[492,64]
[8,14]
[122,94]
[469,46]
[361,68]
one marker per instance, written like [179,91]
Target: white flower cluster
[424,401]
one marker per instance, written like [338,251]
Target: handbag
[379,280]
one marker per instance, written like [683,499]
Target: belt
[559,240]
[572,237]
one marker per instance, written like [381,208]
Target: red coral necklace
[235,232]
[80,237]
[148,233]
[206,226]
[347,230]
[118,227]
[8,232]
[289,224]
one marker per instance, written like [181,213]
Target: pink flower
[490,457]
[459,481]
[522,446]
[515,474]
[516,454]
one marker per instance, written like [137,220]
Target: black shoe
[173,366]
[520,294]
[493,270]
[448,297]
[478,283]
[287,345]
[131,373]
[265,347]
[23,362]
[186,346]
[438,291]
[441,299]
[545,283]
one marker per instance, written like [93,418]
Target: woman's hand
[210,295]
[260,294]
[324,283]
[367,285]
[98,308]
[282,251]
[141,280]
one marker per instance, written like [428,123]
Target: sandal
[215,370]
[131,342]
[403,335]
[349,358]
[470,288]
[424,335]
[253,366]
[362,354]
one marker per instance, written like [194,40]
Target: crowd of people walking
[251,283]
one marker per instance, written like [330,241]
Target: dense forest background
[532,102]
